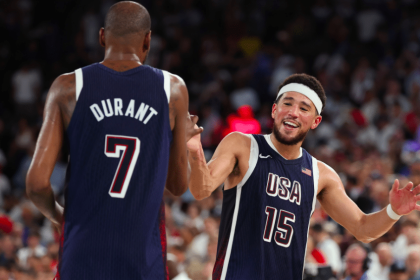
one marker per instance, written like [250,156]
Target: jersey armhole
[167,84]
[316,180]
[253,159]
[79,82]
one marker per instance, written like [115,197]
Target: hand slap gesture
[192,128]
[403,201]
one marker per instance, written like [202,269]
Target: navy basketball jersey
[265,218]
[119,137]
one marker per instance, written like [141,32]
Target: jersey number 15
[284,233]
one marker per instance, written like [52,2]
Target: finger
[198,130]
[395,185]
[417,197]
[194,119]
[416,190]
[409,186]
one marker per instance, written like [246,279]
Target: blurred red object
[319,256]
[358,117]
[6,225]
[243,121]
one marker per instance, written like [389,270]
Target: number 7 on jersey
[128,148]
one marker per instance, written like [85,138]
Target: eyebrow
[303,102]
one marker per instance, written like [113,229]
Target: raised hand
[403,201]
[192,129]
[194,144]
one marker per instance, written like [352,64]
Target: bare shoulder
[178,99]
[178,87]
[237,138]
[237,143]
[236,146]
[64,83]
[328,178]
[63,94]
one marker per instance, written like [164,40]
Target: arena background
[232,55]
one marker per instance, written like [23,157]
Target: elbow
[364,239]
[362,234]
[177,190]
[35,185]
[200,195]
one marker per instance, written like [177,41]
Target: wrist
[391,213]
[195,152]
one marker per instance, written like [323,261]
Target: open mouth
[290,125]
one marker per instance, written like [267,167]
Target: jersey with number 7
[119,139]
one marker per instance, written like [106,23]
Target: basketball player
[270,189]
[125,123]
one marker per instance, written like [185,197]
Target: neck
[287,151]
[123,53]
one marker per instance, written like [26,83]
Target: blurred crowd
[233,54]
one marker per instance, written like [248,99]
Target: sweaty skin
[121,54]
[230,163]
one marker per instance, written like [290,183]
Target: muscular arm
[228,164]
[344,211]
[50,140]
[177,179]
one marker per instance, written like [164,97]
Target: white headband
[305,91]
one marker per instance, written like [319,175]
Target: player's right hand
[194,144]
[192,129]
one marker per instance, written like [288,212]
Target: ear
[102,37]
[316,122]
[146,42]
[273,111]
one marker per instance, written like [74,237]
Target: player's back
[119,137]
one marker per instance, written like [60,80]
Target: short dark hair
[126,17]
[307,80]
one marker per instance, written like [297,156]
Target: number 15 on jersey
[284,233]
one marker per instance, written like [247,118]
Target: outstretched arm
[38,186]
[228,164]
[344,211]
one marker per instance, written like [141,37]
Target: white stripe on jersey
[79,82]
[167,84]
[315,170]
[253,159]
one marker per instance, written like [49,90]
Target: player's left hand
[404,201]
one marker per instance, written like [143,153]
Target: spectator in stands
[327,246]
[412,263]
[26,89]
[381,270]
[398,271]
[8,251]
[357,263]
[409,235]
[174,274]
[34,249]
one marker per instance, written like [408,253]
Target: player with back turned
[270,189]
[127,126]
